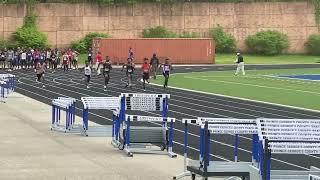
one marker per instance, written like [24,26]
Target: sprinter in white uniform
[87,73]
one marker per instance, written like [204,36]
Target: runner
[87,73]
[130,67]
[40,69]
[65,62]
[154,62]
[98,62]
[107,67]
[166,69]
[145,73]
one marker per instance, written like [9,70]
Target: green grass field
[255,85]
[255,59]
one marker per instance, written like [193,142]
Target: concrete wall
[67,22]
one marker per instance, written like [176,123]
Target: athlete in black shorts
[166,69]
[107,67]
[130,67]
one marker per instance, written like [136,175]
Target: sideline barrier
[100,103]
[7,85]
[68,104]
[206,168]
[288,136]
[133,138]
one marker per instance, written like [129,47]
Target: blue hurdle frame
[70,116]
[122,119]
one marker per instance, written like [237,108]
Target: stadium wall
[67,22]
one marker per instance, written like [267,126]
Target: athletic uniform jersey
[166,68]
[23,56]
[239,59]
[130,68]
[107,67]
[87,71]
[53,57]
[3,56]
[65,60]
[99,58]
[29,55]
[146,68]
[40,68]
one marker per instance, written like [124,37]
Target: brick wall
[64,23]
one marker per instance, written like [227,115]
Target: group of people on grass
[129,67]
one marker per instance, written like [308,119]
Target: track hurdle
[287,136]
[313,177]
[7,85]
[206,168]
[144,102]
[100,103]
[68,104]
[162,136]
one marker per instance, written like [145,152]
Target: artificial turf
[255,85]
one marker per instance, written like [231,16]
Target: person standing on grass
[166,69]
[107,67]
[154,62]
[40,69]
[240,64]
[98,62]
[87,73]
[130,67]
[65,62]
[145,72]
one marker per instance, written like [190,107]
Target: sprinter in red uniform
[145,72]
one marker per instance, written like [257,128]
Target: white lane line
[195,135]
[240,103]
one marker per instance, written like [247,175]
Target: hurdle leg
[236,145]
[53,116]
[170,147]
[127,140]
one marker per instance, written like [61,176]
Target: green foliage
[225,43]
[268,42]
[313,43]
[316,4]
[29,36]
[189,35]
[83,44]
[158,32]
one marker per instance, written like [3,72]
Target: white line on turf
[254,85]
